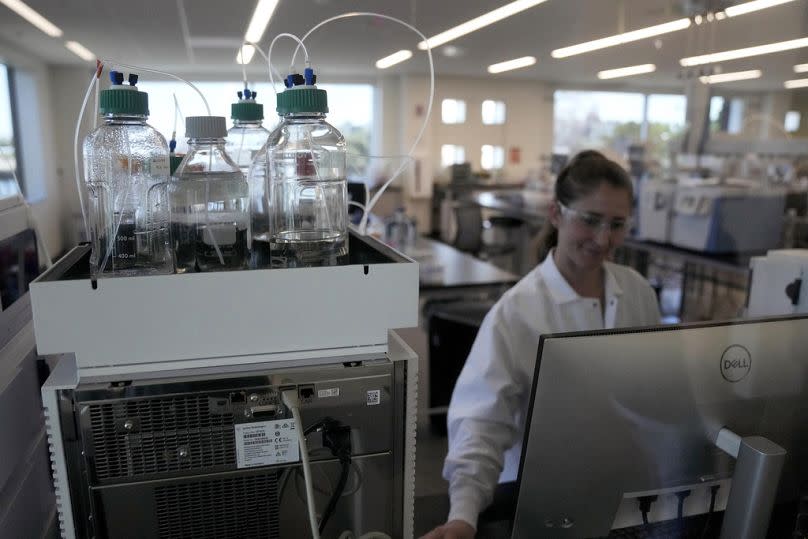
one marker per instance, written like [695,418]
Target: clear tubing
[29,211]
[291,65]
[177,112]
[207,216]
[164,73]
[363,224]
[95,110]
[266,59]
[96,75]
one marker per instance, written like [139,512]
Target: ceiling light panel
[479,22]
[626,71]
[801,68]
[744,53]
[260,20]
[731,77]
[26,12]
[393,59]
[756,5]
[245,55]
[510,65]
[80,50]
[798,83]
[619,39]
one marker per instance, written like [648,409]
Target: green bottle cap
[302,99]
[125,100]
[247,111]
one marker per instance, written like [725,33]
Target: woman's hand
[455,529]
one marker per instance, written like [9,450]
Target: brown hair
[583,174]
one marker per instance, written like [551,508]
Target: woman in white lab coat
[575,288]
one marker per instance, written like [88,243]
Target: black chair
[452,328]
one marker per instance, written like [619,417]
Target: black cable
[645,506]
[680,509]
[335,496]
[337,438]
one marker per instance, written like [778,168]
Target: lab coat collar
[561,291]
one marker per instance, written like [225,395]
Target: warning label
[266,442]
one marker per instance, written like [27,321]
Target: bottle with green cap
[303,164]
[244,140]
[209,200]
[126,171]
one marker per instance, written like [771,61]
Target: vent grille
[168,435]
[231,508]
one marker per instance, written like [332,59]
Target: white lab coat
[487,413]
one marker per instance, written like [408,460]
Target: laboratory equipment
[727,218]
[654,210]
[619,414]
[244,140]
[777,285]
[170,456]
[304,165]
[400,231]
[209,199]
[126,167]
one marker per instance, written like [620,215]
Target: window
[453,111]
[8,151]
[492,157]
[598,120]
[493,112]
[792,121]
[616,120]
[665,123]
[727,114]
[350,111]
[452,155]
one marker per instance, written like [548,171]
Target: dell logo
[736,362]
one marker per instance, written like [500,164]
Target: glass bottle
[209,200]
[126,170]
[244,140]
[305,166]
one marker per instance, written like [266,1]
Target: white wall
[528,126]
[37,138]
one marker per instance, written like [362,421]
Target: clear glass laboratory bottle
[244,140]
[126,170]
[209,200]
[305,163]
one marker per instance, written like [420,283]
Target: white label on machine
[266,442]
[374,397]
[333,392]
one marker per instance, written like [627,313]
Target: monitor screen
[619,412]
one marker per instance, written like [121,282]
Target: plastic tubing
[363,224]
[291,65]
[164,73]
[271,69]
[96,74]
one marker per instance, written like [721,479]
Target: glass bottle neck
[247,123]
[206,142]
[131,119]
[303,117]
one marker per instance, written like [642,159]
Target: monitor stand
[754,484]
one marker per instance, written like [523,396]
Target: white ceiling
[149,32]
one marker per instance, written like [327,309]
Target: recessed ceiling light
[80,50]
[393,59]
[619,39]
[260,19]
[797,83]
[23,10]
[510,65]
[730,77]
[450,51]
[744,53]
[626,71]
[245,54]
[479,22]
[755,5]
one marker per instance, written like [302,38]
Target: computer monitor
[616,412]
